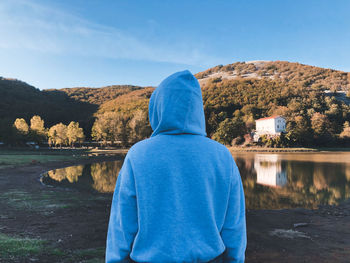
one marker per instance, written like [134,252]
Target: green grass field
[11,158]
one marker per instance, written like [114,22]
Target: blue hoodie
[179,195]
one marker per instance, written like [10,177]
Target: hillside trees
[299,131]
[312,118]
[321,127]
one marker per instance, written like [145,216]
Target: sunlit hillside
[289,72]
[314,101]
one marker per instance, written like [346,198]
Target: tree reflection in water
[275,181]
[100,177]
[271,181]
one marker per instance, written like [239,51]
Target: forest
[234,96]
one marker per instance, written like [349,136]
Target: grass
[38,202]
[45,202]
[10,158]
[19,247]
[14,157]
[14,249]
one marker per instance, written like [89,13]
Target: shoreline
[288,150]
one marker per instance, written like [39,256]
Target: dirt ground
[71,226]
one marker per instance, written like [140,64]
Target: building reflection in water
[269,170]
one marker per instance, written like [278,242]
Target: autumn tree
[58,134]
[345,134]
[74,133]
[37,129]
[100,129]
[111,126]
[139,126]
[21,125]
[21,131]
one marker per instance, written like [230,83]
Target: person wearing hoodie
[179,195]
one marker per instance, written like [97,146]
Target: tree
[229,129]
[37,129]
[75,133]
[321,127]
[111,126]
[345,134]
[100,129]
[21,125]
[58,134]
[299,131]
[139,125]
[348,93]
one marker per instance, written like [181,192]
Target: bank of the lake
[296,150]
[49,224]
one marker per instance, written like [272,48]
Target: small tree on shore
[229,129]
[21,125]
[139,126]
[21,128]
[58,134]
[345,134]
[37,129]
[111,126]
[74,133]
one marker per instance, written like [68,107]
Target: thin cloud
[27,25]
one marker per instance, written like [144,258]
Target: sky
[93,43]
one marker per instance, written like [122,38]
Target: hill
[310,77]
[21,100]
[234,96]
[97,96]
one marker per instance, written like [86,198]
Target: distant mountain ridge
[97,96]
[289,72]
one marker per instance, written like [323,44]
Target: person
[178,195]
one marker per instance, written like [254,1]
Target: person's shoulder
[218,146]
[138,147]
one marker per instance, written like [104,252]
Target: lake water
[270,180]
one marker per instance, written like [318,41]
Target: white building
[269,170]
[273,125]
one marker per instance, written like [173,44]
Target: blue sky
[58,44]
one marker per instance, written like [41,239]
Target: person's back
[179,196]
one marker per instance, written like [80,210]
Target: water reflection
[100,177]
[269,170]
[275,181]
[271,181]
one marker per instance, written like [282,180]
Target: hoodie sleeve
[123,221]
[234,229]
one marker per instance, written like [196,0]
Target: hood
[176,106]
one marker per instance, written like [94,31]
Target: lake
[270,180]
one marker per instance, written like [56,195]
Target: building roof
[267,118]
